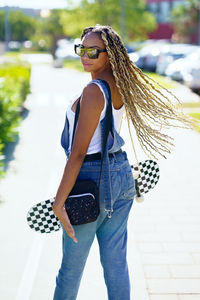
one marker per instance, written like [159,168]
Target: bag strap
[135,174]
[108,122]
[76,118]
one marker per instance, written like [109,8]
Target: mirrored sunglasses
[91,52]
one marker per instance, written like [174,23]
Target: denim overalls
[117,190]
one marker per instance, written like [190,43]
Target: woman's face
[93,40]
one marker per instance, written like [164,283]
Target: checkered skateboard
[149,175]
[41,217]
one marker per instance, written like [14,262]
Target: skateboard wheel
[139,199]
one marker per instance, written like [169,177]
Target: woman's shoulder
[92,96]
[103,84]
[92,90]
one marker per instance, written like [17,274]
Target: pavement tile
[165,210]
[168,210]
[167,258]
[196,257]
[174,286]
[189,297]
[187,219]
[150,247]
[145,227]
[194,210]
[160,271]
[164,297]
[191,236]
[148,218]
[181,247]
[158,237]
[179,227]
[192,271]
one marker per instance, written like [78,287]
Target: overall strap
[108,117]
[76,118]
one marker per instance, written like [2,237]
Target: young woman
[104,56]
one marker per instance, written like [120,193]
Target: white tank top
[95,143]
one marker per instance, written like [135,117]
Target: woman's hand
[61,213]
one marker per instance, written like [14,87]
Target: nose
[85,54]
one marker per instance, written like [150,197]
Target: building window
[179,2]
[162,9]
[153,8]
[164,12]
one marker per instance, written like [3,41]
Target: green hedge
[14,87]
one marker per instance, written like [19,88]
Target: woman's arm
[92,103]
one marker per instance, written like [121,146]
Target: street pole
[123,20]
[7,29]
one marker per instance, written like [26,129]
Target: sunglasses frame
[85,50]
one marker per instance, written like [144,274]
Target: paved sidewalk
[164,230]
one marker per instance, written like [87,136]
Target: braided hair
[146,106]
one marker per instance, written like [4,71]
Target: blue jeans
[111,235]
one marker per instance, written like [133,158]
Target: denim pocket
[129,191]
[130,178]
[115,184]
[129,194]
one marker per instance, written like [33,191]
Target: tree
[1,25]
[22,26]
[50,29]
[185,20]
[138,21]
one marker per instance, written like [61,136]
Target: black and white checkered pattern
[41,217]
[148,176]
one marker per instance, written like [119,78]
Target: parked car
[147,57]
[14,45]
[137,45]
[170,53]
[191,76]
[186,70]
[64,50]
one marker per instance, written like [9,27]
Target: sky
[37,3]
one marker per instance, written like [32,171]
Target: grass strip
[162,80]
[196,116]
[191,105]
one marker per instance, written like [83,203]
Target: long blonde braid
[146,106]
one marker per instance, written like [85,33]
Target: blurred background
[39,76]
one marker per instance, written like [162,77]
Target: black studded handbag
[82,204]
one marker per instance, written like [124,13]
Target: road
[164,230]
